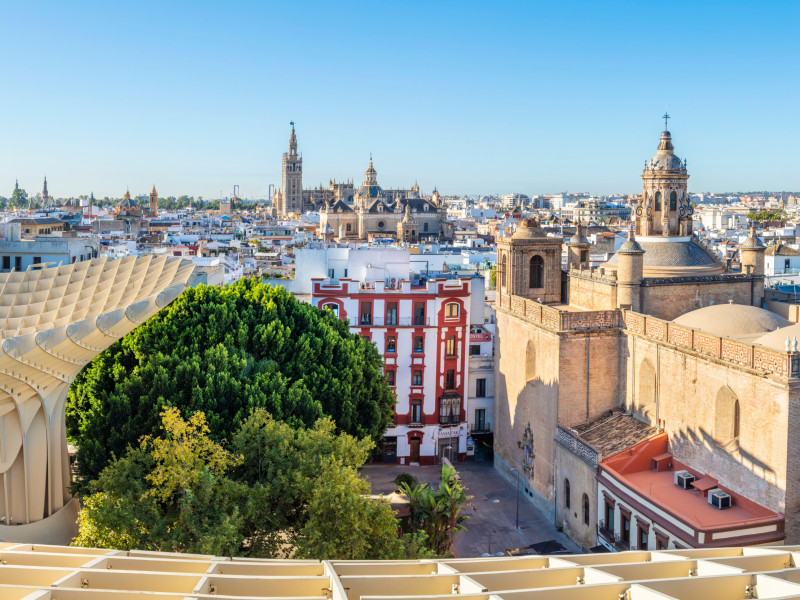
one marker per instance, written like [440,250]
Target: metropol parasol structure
[54,321]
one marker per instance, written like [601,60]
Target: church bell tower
[664,209]
[291,196]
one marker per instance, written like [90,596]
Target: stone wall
[582,481]
[590,292]
[673,299]
[552,367]
[692,397]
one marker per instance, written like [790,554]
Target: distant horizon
[470,98]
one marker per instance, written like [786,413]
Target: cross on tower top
[666,120]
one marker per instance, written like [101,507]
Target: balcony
[380,321]
[612,538]
[450,420]
[480,428]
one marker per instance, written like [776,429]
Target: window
[7,263]
[18,262]
[566,493]
[451,309]
[480,419]
[334,308]
[37,260]
[641,538]
[366,313]
[480,388]
[585,509]
[584,256]
[390,378]
[391,313]
[536,275]
[449,410]
[474,350]
[349,227]
[658,201]
[503,273]
[786,263]
[425,225]
[609,517]
[416,412]
[673,201]
[391,345]
[625,529]
[450,345]
[416,378]
[418,344]
[419,313]
[450,379]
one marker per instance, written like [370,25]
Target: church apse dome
[737,321]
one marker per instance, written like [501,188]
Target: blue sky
[489,97]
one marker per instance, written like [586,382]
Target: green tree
[437,512]
[169,494]
[225,351]
[279,492]
[19,198]
[493,277]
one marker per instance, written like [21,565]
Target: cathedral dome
[738,321]
[665,158]
[776,340]
[528,229]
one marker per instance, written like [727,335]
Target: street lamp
[491,531]
[517,474]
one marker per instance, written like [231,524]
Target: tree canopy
[277,491]
[226,351]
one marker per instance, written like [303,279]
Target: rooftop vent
[719,499]
[683,479]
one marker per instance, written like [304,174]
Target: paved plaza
[491,523]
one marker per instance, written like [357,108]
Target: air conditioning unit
[683,479]
[719,499]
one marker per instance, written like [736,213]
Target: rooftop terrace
[65,573]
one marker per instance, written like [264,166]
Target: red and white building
[421,326]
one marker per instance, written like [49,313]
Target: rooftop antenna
[666,118]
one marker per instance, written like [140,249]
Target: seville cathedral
[366,213]
[662,361]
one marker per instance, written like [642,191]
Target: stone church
[291,198]
[660,359]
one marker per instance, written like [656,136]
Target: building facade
[422,329]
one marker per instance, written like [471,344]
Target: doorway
[448,448]
[414,443]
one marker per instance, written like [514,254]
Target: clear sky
[471,97]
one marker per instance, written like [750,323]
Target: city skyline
[467,98]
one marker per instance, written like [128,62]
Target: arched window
[726,416]
[566,493]
[530,361]
[536,277]
[503,272]
[585,509]
[658,201]
[334,308]
[673,201]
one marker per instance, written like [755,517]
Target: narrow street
[491,523]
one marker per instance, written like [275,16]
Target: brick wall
[592,294]
[671,301]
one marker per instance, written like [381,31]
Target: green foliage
[226,351]
[406,478]
[279,492]
[767,215]
[19,198]
[170,494]
[437,513]
[493,277]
